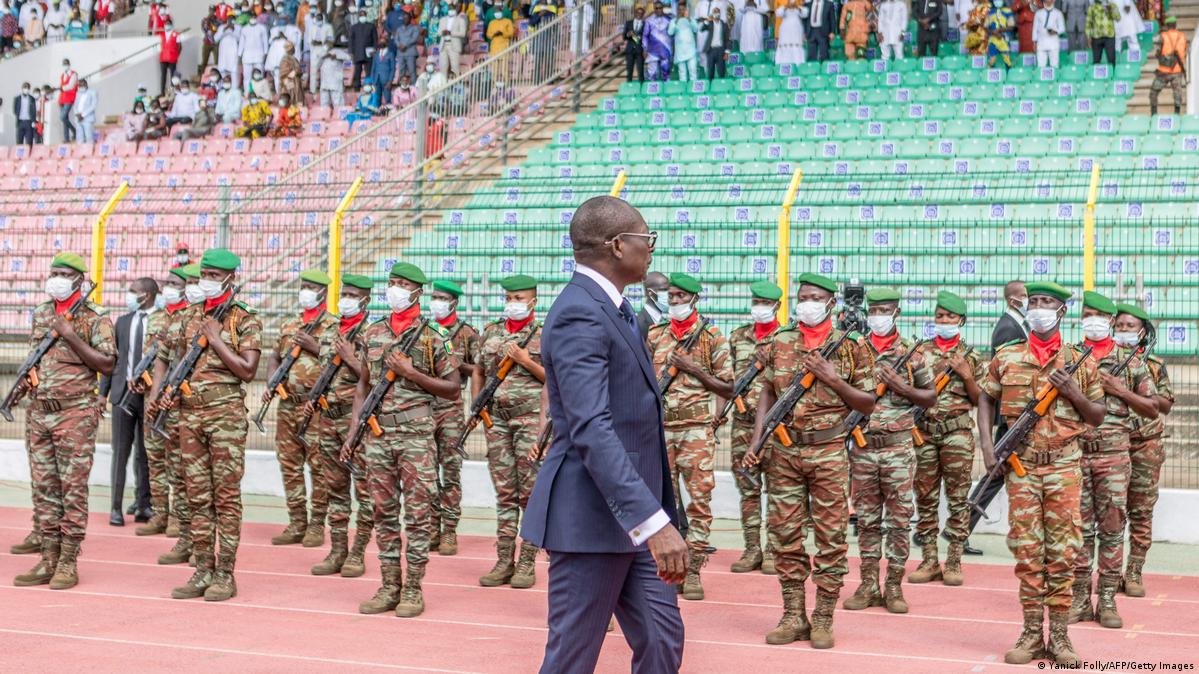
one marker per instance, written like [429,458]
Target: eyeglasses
[651,239]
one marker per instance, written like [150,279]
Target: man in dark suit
[928,21]
[24,108]
[634,52]
[654,303]
[603,505]
[715,38]
[819,26]
[132,335]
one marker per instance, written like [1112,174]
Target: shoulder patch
[1005,345]
[789,327]
[438,328]
[244,307]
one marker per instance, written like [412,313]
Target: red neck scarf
[681,328]
[763,330]
[1102,347]
[402,320]
[514,327]
[947,345]
[884,344]
[814,335]
[310,315]
[448,320]
[1044,349]
[349,323]
[210,304]
[60,308]
[178,306]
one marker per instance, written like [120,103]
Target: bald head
[597,221]
[1014,289]
[656,281]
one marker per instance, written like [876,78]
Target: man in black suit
[132,335]
[634,53]
[24,108]
[654,303]
[928,26]
[716,40]
[819,26]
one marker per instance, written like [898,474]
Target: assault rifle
[543,441]
[317,396]
[939,383]
[670,372]
[366,415]
[28,369]
[480,407]
[740,389]
[274,385]
[141,372]
[856,422]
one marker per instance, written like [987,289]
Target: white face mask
[441,309]
[811,312]
[349,306]
[516,310]
[211,288]
[1041,320]
[181,258]
[762,313]
[171,295]
[1022,307]
[160,302]
[131,301]
[1127,338]
[309,298]
[399,298]
[681,312]
[881,325]
[1096,328]
[59,287]
[193,293]
[946,331]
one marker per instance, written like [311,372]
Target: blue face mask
[947,331]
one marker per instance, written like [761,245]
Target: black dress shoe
[970,549]
[143,515]
[116,519]
[131,509]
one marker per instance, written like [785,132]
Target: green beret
[1049,288]
[1132,310]
[356,281]
[685,283]
[189,272]
[1171,20]
[407,270]
[518,282]
[880,295]
[1098,302]
[448,287]
[765,290]
[220,258]
[316,276]
[70,261]
[822,282]
[951,303]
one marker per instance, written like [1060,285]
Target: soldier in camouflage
[1106,466]
[333,425]
[1044,533]
[883,468]
[212,425]
[448,417]
[743,345]
[1147,455]
[304,331]
[946,453]
[704,374]
[61,420]
[809,481]
[515,413]
[401,461]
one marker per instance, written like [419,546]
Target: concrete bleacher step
[1187,12]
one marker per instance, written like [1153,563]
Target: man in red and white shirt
[159,16]
[68,85]
[168,55]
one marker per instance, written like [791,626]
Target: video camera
[852,317]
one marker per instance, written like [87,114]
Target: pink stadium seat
[82,150]
[309,145]
[263,146]
[319,113]
[169,148]
[19,152]
[239,145]
[149,148]
[285,145]
[225,130]
[194,146]
[40,152]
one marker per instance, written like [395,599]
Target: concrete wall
[1173,519]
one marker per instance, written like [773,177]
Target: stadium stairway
[1187,12]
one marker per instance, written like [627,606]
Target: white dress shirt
[140,316]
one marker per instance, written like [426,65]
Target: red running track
[120,618]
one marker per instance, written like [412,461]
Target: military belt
[337,411]
[817,437]
[695,413]
[1047,456]
[396,418]
[514,411]
[935,428]
[202,396]
[882,440]
[59,404]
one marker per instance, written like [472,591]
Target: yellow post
[783,268]
[1088,231]
[618,185]
[98,235]
[335,227]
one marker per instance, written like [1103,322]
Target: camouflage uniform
[60,431]
[291,453]
[168,338]
[1147,458]
[809,481]
[448,420]
[156,459]
[742,347]
[687,410]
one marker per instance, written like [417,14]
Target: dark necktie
[626,312]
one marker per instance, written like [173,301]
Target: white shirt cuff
[642,532]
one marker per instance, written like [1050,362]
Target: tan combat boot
[1134,584]
[1031,643]
[929,569]
[43,571]
[502,572]
[200,580]
[412,600]
[867,594]
[751,559]
[448,547]
[335,559]
[1105,608]
[1080,610]
[525,575]
[693,589]
[893,592]
[768,562]
[172,530]
[181,552]
[314,535]
[355,564]
[292,534]
[793,626]
[31,545]
[952,573]
[822,619]
[223,585]
[66,576]
[156,525]
[388,594]
[1059,640]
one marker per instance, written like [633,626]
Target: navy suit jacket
[606,471]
